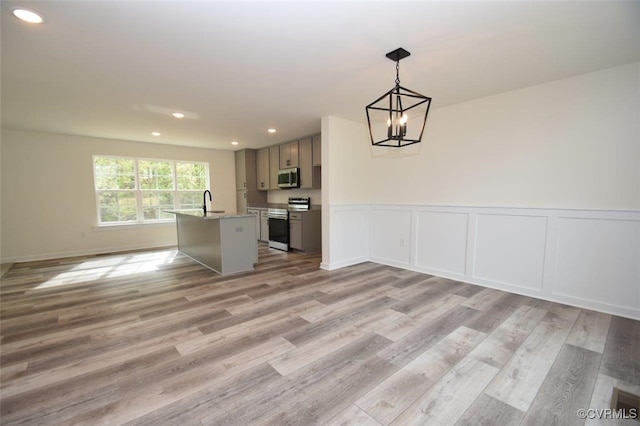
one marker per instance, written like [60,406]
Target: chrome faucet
[204,200]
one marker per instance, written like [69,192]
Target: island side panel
[200,239]
[239,244]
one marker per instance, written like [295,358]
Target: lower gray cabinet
[295,233]
[264,226]
[256,213]
[262,223]
[305,232]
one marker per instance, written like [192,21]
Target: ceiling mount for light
[398,117]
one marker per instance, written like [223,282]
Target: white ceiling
[117,69]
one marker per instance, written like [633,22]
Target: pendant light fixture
[398,117]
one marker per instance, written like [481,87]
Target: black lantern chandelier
[398,117]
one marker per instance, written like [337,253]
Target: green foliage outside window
[155,174]
[191,181]
[191,176]
[138,190]
[117,206]
[114,173]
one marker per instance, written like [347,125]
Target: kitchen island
[223,242]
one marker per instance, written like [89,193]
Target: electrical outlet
[402,242]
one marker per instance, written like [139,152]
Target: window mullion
[175,184]
[139,208]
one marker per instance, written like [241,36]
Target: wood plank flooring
[153,338]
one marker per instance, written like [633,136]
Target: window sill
[136,225]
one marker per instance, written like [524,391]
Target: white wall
[345,181]
[48,201]
[535,191]
[346,158]
[572,143]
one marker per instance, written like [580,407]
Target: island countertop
[214,214]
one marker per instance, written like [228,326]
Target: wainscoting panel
[510,249]
[441,241]
[585,258]
[391,236]
[599,259]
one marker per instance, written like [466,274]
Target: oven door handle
[278,217]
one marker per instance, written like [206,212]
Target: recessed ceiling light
[178,115]
[155,133]
[27,15]
[234,143]
[271,130]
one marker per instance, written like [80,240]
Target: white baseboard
[79,253]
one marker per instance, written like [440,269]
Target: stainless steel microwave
[289,178]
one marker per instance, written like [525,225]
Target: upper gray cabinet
[262,169]
[241,168]
[289,155]
[309,175]
[317,150]
[274,166]
[257,170]
[246,180]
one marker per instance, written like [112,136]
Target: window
[132,190]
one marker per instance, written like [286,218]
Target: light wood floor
[154,338]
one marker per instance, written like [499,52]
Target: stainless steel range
[279,221]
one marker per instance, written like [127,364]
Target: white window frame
[140,220]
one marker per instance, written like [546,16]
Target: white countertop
[216,214]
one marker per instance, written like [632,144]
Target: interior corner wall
[48,199]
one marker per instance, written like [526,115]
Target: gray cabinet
[246,181]
[274,166]
[262,223]
[317,151]
[262,169]
[241,169]
[295,232]
[264,226]
[305,233]
[256,213]
[289,155]
[310,175]
[241,202]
